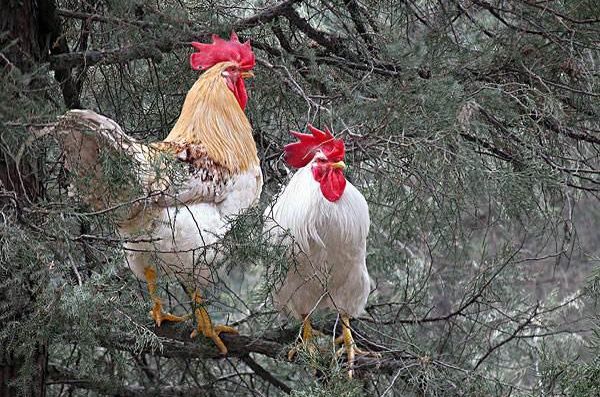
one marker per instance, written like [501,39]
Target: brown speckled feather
[207,178]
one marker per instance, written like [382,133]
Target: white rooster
[328,219]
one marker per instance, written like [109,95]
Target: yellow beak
[246,75]
[339,164]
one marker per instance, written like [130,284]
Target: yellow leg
[307,330]
[350,346]
[348,343]
[306,335]
[205,326]
[157,313]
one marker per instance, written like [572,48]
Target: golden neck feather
[211,116]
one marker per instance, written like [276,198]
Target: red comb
[300,153]
[222,51]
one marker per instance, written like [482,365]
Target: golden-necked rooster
[172,225]
[328,219]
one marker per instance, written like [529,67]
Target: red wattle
[240,93]
[333,184]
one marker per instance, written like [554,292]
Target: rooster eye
[230,72]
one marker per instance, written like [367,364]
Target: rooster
[328,219]
[178,217]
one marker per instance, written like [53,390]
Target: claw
[157,313]
[159,316]
[206,328]
[350,346]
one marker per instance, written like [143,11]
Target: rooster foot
[350,346]
[159,316]
[307,333]
[206,328]
[357,351]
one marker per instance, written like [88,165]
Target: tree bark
[23,44]
[20,46]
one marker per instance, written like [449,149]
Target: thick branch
[175,342]
[267,15]
[152,50]
[274,343]
[266,375]
[57,45]
[326,40]
[355,14]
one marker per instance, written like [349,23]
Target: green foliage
[337,385]
[470,128]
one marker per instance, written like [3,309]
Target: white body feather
[330,252]
[176,232]
[186,234]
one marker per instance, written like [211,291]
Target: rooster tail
[109,167]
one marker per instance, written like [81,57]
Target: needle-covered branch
[154,49]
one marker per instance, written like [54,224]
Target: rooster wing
[114,169]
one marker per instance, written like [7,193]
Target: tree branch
[65,376]
[274,343]
[176,342]
[57,46]
[267,15]
[355,14]
[266,375]
[102,18]
[155,48]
